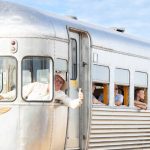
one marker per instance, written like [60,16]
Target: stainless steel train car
[33,46]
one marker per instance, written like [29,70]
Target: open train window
[100,93]
[121,89]
[140,85]
[100,83]
[8,78]
[37,78]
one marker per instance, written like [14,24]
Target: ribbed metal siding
[114,129]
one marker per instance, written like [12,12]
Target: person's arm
[140,105]
[95,101]
[73,103]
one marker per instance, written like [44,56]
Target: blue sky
[133,15]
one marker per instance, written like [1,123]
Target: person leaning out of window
[40,91]
[139,99]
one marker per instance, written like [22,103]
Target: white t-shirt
[36,91]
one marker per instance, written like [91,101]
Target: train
[34,45]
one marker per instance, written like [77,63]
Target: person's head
[116,89]
[93,87]
[60,83]
[139,94]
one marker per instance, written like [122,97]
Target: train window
[100,93]
[37,78]
[8,77]
[100,77]
[140,85]
[74,59]
[121,86]
[61,65]
[121,95]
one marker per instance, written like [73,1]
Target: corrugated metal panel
[117,129]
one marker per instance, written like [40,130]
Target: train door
[78,78]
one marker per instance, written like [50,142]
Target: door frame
[84,75]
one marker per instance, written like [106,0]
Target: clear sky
[133,15]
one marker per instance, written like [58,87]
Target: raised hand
[80,94]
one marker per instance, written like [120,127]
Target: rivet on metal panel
[14,46]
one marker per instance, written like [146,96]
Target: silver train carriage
[33,46]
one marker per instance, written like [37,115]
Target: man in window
[40,91]
[139,99]
[60,86]
[118,97]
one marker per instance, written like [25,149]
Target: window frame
[104,83]
[16,94]
[140,86]
[126,87]
[39,101]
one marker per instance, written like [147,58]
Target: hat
[64,86]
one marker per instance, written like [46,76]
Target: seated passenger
[139,99]
[118,97]
[94,100]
